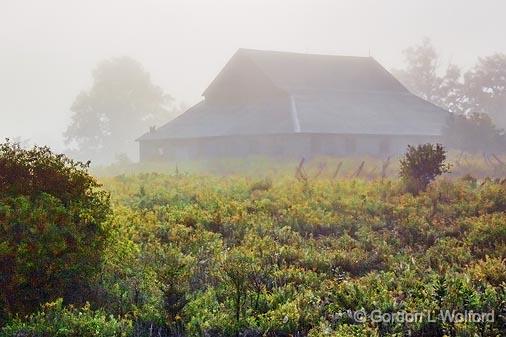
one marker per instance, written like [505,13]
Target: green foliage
[51,233]
[194,255]
[55,320]
[421,164]
[38,170]
[285,259]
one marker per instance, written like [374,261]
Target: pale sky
[48,48]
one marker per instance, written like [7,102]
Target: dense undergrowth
[226,256]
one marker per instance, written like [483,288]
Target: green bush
[421,164]
[55,320]
[51,229]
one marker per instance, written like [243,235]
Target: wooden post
[336,172]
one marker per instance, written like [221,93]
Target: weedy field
[291,253]
[218,256]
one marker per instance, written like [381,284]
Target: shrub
[55,320]
[422,164]
[51,234]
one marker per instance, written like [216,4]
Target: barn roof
[295,72]
[323,94]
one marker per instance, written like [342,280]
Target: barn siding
[279,146]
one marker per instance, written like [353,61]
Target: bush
[55,320]
[51,234]
[421,164]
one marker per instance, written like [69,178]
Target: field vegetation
[296,251]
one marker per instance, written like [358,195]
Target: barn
[285,104]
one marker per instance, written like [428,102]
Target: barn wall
[279,146]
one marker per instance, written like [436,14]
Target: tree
[485,88]
[51,232]
[120,106]
[423,77]
[422,164]
[480,90]
[474,133]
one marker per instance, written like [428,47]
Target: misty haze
[252,168]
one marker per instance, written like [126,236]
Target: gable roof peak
[294,72]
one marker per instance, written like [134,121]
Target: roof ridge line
[301,53]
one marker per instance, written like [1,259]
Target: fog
[49,48]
